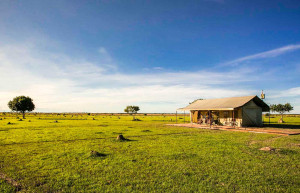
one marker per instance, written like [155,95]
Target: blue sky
[99,56]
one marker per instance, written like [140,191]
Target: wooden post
[183,116]
[209,114]
[176,117]
[233,119]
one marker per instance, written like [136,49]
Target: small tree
[281,109]
[21,104]
[132,110]
[195,101]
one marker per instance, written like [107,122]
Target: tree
[281,109]
[132,110]
[21,104]
[272,108]
[195,101]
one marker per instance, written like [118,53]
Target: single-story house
[234,111]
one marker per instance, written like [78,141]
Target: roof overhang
[224,104]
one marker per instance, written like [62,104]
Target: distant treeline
[103,114]
[286,115]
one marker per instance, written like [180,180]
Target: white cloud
[158,68]
[60,83]
[291,95]
[288,93]
[267,54]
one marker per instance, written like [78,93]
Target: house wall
[252,115]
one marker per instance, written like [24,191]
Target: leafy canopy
[132,109]
[21,104]
[280,108]
[195,101]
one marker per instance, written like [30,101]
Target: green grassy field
[48,156]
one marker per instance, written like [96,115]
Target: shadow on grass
[283,126]
[125,140]
[95,154]
[287,152]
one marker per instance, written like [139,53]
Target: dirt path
[240,129]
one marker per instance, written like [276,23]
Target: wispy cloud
[292,92]
[58,82]
[106,58]
[158,68]
[267,54]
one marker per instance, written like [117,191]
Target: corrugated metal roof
[225,103]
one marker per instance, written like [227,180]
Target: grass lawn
[51,153]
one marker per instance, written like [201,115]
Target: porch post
[191,117]
[233,119]
[210,119]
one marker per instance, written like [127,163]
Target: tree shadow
[283,126]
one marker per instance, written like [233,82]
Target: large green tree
[132,110]
[281,109]
[21,104]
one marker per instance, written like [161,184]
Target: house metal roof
[226,103]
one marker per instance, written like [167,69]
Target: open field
[51,153]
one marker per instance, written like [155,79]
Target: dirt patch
[11,181]
[239,129]
[267,149]
[121,138]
